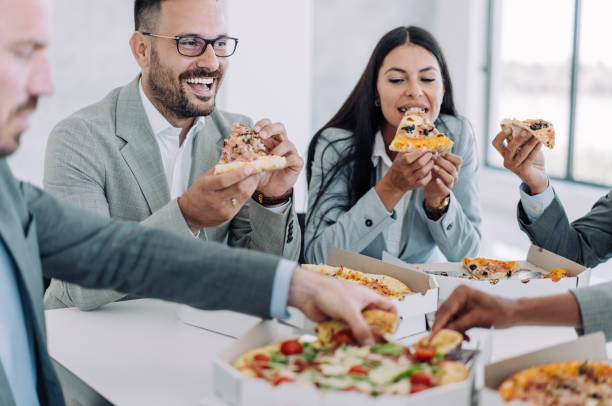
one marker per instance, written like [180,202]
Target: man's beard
[9,136]
[171,97]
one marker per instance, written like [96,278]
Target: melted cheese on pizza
[416,131]
[244,144]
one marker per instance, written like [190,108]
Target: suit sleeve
[95,252]
[595,303]
[587,240]
[259,228]
[74,172]
[330,222]
[457,233]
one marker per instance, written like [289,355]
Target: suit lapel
[141,152]
[207,145]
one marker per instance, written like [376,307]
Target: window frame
[573,90]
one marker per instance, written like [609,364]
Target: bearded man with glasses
[147,151]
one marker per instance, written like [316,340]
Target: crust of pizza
[546,378]
[444,341]
[382,284]
[484,268]
[384,322]
[542,130]
[266,163]
[452,372]
[243,363]
[416,131]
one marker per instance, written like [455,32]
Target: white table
[139,353]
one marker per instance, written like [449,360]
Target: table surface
[139,353]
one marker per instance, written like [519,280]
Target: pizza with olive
[340,363]
[561,384]
[416,131]
[542,130]
[484,268]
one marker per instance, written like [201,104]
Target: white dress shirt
[534,205]
[394,235]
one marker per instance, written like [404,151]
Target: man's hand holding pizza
[277,184]
[320,297]
[523,156]
[213,200]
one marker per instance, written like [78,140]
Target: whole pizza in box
[336,362]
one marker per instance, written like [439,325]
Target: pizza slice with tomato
[542,130]
[339,363]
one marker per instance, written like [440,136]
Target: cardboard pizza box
[538,259]
[412,309]
[591,347]
[229,323]
[236,390]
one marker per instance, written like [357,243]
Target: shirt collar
[380,151]
[158,122]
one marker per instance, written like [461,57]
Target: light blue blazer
[360,228]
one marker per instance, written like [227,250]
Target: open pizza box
[538,259]
[236,390]
[412,309]
[591,347]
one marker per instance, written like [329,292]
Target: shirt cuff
[279,209]
[534,205]
[280,289]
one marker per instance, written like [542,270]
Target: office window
[556,66]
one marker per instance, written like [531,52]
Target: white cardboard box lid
[538,259]
[590,347]
[232,387]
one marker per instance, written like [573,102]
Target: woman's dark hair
[363,118]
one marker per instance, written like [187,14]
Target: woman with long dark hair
[365,198]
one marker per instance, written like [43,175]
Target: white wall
[89,57]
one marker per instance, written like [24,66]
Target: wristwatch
[436,212]
[269,201]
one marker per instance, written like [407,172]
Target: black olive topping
[408,128]
[473,267]
[485,273]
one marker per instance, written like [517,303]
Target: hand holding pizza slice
[245,148]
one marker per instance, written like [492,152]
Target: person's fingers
[498,141]
[450,308]
[453,159]
[449,166]
[274,130]
[424,180]
[526,151]
[360,328]
[447,178]
[517,144]
[411,157]
[444,188]
[261,124]
[379,302]
[284,148]
[241,191]
[468,320]
[533,154]
[421,171]
[225,180]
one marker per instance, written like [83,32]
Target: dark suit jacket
[45,236]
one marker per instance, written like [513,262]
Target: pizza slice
[443,342]
[332,333]
[556,274]
[382,284]
[483,268]
[245,148]
[542,130]
[416,131]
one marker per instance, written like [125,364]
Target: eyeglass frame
[207,42]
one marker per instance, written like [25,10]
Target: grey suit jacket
[358,228]
[588,241]
[105,159]
[46,236]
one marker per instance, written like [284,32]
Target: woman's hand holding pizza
[445,175]
[274,136]
[409,171]
[523,156]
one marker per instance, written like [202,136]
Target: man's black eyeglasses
[192,45]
